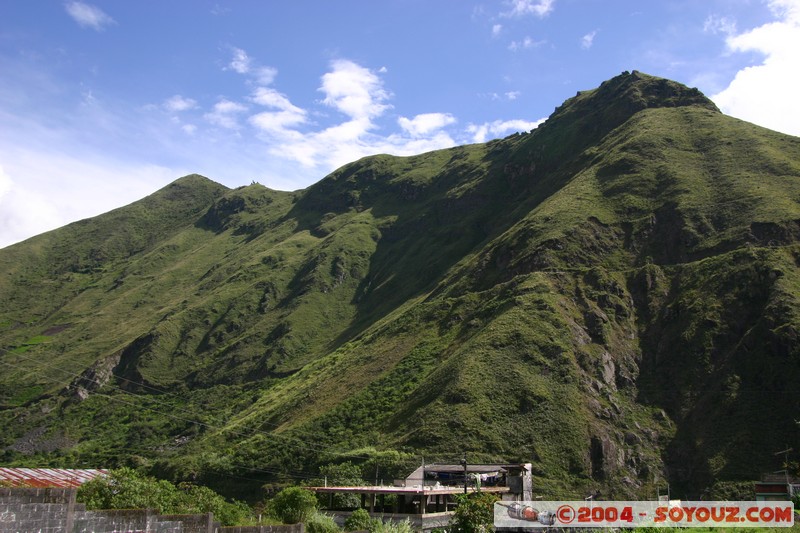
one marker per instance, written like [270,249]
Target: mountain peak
[645,91]
[624,95]
[590,115]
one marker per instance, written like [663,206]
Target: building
[47,477]
[776,487]
[426,497]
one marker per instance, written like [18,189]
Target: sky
[103,102]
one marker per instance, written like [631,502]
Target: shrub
[474,513]
[125,488]
[321,523]
[378,526]
[358,521]
[293,505]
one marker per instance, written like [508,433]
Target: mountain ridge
[597,296]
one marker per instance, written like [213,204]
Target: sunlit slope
[613,296]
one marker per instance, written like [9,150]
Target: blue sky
[105,101]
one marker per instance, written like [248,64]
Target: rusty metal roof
[48,477]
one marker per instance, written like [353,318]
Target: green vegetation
[293,505]
[124,488]
[613,297]
[474,512]
[359,520]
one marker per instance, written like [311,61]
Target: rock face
[93,378]
[600,296]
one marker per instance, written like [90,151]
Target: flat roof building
[426,497]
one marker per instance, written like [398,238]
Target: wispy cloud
[426,123]
[358,93]
[219,10]
[588,40]
[225,114]
[265,75]
[718,24]
[89,16]
[240,61]
[521,8]
[282,116]
[525,44]
[763,93]
[497,29]
[178,103]
[482,132]
[260,133]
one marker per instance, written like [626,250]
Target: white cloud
[524,44]
[482,132]
[85,189]
[497,29]
[426,123]
[276,122]
[178,103]
[588,40]
[225,114]
[266,75]
[764,93]
[240,62]
[271,98]
[717,24]
[89,16]
[521,8]
[23,212]
[276,142]
[513,95]
[218,10]
[354,90]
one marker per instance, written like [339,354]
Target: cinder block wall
[54,510]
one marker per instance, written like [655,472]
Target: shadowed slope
[598,296]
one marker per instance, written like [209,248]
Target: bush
[474,513]
[125,488]
[358,521]
[321,523]
[378,526]
[293,505]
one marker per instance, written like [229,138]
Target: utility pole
[464,464]
[785,461]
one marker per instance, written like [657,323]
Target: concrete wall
[24,510]
[296,528]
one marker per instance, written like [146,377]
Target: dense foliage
[293,505]
[124,488]
[474,513]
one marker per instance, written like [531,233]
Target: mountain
[614,296]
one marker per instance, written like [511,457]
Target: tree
[474,512]
[293,505]
[125,488]
[342,474]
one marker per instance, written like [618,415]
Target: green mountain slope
[613,296]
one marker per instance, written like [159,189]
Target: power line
[255,431]
[288,473]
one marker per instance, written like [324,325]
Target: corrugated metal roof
[48,477]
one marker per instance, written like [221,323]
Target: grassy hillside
[613,296]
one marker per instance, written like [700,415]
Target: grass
[599,297]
